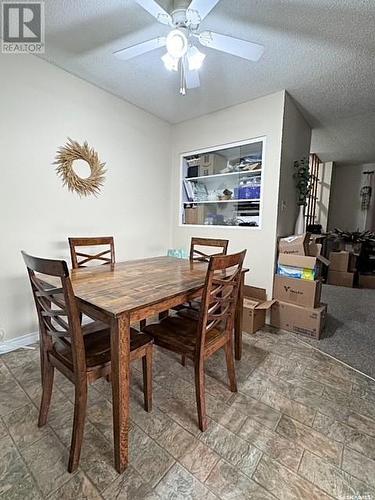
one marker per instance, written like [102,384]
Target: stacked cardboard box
[297,287]
[367,280]
[255,306]
[342,271]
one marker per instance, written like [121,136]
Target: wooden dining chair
[220,247]
[81,353]
[199,252]
[198,339]
[82,258]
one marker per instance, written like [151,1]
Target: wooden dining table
[126,292]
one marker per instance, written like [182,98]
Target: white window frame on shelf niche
[201,151]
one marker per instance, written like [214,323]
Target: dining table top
[135,284]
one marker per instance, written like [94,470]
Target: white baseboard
[18,342]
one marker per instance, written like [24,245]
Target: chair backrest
[220,296]
[56,306]
[82,258]
[219,247]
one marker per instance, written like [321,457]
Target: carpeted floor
[350,330]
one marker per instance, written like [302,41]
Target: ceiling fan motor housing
[180,17]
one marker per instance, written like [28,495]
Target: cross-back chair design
[199,338]
[82,258]
[81,353]
[197,253]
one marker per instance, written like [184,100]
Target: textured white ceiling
[321,51]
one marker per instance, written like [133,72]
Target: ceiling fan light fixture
[171,63]
[195,58]
[177,43]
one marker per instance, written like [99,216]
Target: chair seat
[97,346]
[179,334]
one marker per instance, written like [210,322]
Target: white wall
[296,141]
[345,206]
[324,194]
[40,106]
[262,117]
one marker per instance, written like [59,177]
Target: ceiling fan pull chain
[183,81]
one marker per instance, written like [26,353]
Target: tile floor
[301,426]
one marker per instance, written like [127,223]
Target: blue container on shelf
[256,192]
[247,192]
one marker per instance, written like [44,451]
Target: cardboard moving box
[340,278]
[339,261]
[367,280]
[302,320]
[296,244]
[254,309]
[297,291]
[303,261]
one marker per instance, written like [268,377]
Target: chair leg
[147,379]
[80,404]
[183,360]
[230,365]
[47,384]
[200,394]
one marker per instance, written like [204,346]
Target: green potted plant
[302,179]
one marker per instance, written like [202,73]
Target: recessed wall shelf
[249,200]
[215,176]
[223,186]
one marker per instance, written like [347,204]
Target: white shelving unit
[229,174]
[257,200]
[212,196]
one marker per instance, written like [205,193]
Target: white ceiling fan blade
[230,45]
[140,48]
[155,10]
[191,77]
[199,9]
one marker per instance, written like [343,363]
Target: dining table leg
[238,322]
[120,363]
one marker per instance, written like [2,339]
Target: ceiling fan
[181,42]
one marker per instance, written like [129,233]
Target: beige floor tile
[359,466]
[22,425]
[12,396]
[271,443]
[253,448]
[179,484]
[344,433]
[283,484]
[332,380]
[149,459]
[228,483]
[233,449]
[362,423]
[257,410]
[199,459]
[47,460]
[79,487]
[285,405]
[310,439]
[331,479]
[130,486]
[21,356]
[16,482]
